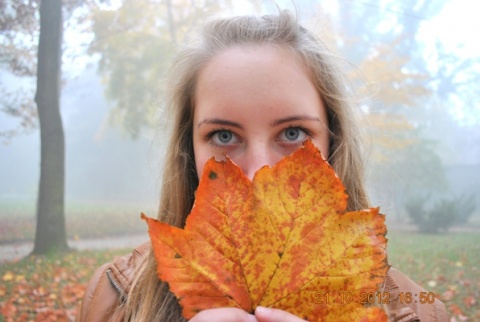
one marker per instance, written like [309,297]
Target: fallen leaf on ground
[283,240]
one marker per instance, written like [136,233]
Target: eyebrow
[217,121]
[220,122]
[295,118]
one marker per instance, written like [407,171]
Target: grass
[83,219]
[447,264]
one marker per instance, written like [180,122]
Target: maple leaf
[283,240]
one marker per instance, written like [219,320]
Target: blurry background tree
[412,88]
[440,216]
[31,37]
[50,233]
[19,32]
[136,42]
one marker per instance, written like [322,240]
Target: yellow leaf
[277,241]
[8,276]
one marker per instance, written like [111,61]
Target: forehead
[248,61]
[257,74]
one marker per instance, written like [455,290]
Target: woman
[252,88]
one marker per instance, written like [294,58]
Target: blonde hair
[149,298]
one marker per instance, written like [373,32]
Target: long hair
[149,298]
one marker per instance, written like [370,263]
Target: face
[256,105]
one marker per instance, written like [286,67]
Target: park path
[15,251]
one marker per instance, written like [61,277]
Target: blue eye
[292,134]
[224,136]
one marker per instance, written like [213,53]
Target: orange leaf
[455,309]
[282,240]
[469,301]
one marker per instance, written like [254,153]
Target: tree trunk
[51,232]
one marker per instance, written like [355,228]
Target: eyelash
[301,128]
[210,134]
[215,131]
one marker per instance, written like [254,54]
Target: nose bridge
[257,155]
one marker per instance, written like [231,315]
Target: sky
[456,27]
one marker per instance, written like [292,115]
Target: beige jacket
[111,284]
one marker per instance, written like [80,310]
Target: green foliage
[442,215]
[136,43]
[409,166]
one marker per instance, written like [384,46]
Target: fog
[103,164]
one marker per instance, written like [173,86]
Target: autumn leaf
[47,288]
[283,240]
